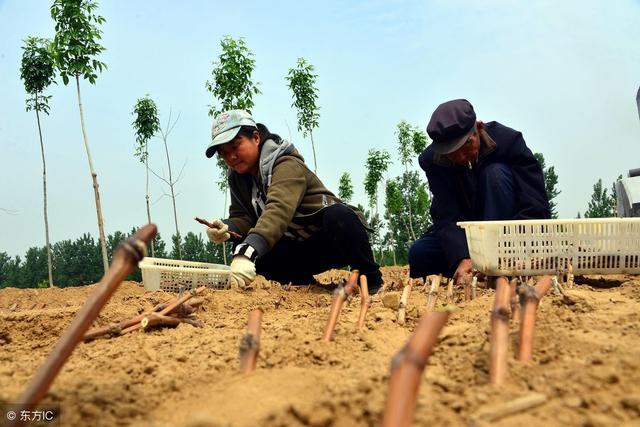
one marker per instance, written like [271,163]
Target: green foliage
[404,195]
[601,204]
[76,40]
[302,83]
[146,125]
[37,71]
[193,248]
[411,142]
[345,188]
[378,162]
[77,262]
[232,86]
[419,141]
[550,184]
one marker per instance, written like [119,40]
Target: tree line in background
[73,52]
[79,262]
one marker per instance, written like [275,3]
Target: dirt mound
[586,359]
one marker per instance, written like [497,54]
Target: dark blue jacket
[454,187]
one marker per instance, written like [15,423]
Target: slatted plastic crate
[534,247]
[173,276]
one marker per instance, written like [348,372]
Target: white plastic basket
[172,275]
[534,247]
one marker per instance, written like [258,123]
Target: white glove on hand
[243,271]
[219,233]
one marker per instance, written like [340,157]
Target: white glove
[219,233]
[243,271]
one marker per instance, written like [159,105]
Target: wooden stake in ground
[450,291]
[406,370]
[339,297]
[433,292]
[250,343]
[404,300]
[365,299]
[125,259]
[499,333]
[474,285]
[529,299]
[570,276]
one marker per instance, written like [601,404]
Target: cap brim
[448,147]
[221,138]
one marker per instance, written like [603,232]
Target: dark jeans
[496,193]
[341,241]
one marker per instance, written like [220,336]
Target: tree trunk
[44,188]
[94,177]
[313,147]
[146,165]
[173,198]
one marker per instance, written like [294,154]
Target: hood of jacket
[270,152]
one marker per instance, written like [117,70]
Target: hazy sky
[564,73]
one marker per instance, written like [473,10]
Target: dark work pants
[341,241]
[496,193]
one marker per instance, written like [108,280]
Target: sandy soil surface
[586,359]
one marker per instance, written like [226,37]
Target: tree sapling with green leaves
[76,47]
[146,125]
[345,188]
[550,183]
[37,70]
[377,163]
[302,83]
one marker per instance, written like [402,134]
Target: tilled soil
[586,358]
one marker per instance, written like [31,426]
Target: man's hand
[464,272]
[243,271]
[218,232]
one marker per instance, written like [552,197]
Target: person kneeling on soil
[476,172]
[290,225]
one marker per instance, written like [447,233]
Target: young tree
[302,83]
[232,89]
[76,47]
[404,193]
[411,142]
[146,125]
[38,72]
[378,162]
[345,188]
[164,134]
[601,205]
[550,183]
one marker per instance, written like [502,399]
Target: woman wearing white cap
[291,226]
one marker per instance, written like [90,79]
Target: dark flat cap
[450,125]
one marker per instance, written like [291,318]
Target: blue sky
[564,73]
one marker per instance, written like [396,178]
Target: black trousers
[341,241]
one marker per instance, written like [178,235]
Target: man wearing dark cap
[477,172]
